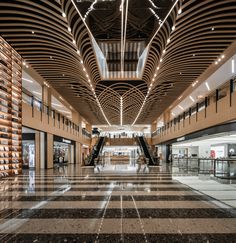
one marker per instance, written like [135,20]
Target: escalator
[96,150]
[144,147]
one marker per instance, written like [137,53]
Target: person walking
[140,162]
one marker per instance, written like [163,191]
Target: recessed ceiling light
[173,28]
[78,52]
[216,62]
[222,56]
[27,66]
[212,28]
[180,11]
[219,59]
[63,15]
[69,29]
[164,51]
[32,32]
[168,40]
[161,60]
[74,42]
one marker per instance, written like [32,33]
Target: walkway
[68,206]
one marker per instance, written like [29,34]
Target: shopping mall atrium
[118,121]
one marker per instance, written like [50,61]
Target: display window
[63,151]
[28,148]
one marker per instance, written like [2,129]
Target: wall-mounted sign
[66,141]
[180,139]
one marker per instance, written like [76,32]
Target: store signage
[180,139]
[66,141]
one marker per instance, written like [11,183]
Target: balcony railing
[224,168]
[38,105]
[214,97]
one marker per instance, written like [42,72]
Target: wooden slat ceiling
[202,32]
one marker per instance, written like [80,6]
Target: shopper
[141,161]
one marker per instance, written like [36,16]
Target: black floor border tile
[76,213]
[115,238]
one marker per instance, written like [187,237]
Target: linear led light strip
[153,4]
[90,9]
[84,69]
[123,31]
[168,41]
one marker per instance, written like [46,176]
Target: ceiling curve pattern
[55,39]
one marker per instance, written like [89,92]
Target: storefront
[63,151]
[28,150]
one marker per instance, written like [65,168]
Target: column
[49,151]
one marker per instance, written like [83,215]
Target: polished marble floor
[77,205]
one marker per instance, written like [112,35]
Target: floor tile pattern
[88,207]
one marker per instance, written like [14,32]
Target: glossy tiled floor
[74,205]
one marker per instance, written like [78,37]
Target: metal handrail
[34,102]
[224,168]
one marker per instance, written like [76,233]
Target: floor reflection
[72,204]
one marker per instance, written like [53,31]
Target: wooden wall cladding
[10,110]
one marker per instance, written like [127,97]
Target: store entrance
[118,159]
[63,151]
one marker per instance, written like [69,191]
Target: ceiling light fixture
[173,28]
[63,15]
[27,80]
[69,29]
[207,85]
[232,65]
[181,107]
[153,4]
[157,16]
[91,8]
[179,11]
[36,92]
[191,98]
[55,104]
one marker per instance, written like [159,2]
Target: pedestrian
[140,162]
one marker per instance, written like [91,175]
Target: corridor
[64,206]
